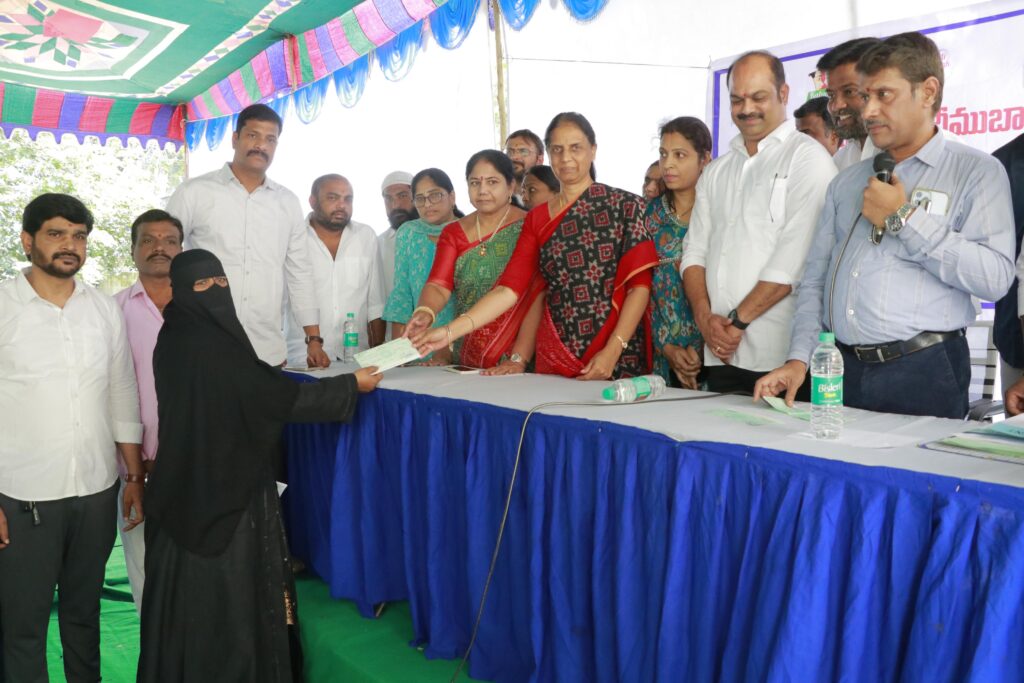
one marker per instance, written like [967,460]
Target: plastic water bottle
[634,389]
[827,388]
[351,339]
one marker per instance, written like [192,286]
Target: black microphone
[883,166]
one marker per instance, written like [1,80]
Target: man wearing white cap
[397,192]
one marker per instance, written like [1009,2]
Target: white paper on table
[869,439]
[390,355]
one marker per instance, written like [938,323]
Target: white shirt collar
[26,292]
[776,137]
[227,176]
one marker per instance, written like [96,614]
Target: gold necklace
[480,239]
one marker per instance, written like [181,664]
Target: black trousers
[933,381]
[723,379]
[67,550]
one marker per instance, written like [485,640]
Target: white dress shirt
[67,393]
[351,282]
[853,153]
[753,220]
[260,238]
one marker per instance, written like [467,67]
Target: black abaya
[217,571]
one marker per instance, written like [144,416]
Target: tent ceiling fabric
[162,50]
[141,68]
[122,68]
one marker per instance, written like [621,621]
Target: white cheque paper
[386,356]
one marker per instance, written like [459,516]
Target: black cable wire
[511,485]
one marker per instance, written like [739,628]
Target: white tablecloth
[871,439]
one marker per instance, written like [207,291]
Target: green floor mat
[340,646]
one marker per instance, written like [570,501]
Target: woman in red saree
[588,246]
[471,254]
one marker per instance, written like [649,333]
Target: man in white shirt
[842,84]
[68,405]
[752,224]
[346,271]
[255,227]
[397,192]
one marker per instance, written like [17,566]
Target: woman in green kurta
[434,196]
[684,151]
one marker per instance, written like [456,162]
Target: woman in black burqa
[219,599]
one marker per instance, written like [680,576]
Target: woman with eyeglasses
[589,247]
[471,254]
[434,197]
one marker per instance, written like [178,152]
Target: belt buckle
[864,354]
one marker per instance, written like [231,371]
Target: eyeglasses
[204,283]
[518,151]
[430,198]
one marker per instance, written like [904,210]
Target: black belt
[883,353]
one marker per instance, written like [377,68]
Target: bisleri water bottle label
[643,387]
[827,391]
[351,339]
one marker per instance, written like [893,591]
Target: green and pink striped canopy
[139,68]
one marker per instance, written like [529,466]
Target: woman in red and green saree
[588,247]
[471,254]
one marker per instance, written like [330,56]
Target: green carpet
[339,644]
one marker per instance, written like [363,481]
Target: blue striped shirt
[921,278]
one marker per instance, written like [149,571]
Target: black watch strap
[314,338]
[736,322]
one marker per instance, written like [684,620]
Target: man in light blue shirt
[945,232]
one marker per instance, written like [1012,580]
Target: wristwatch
[314,338]
[894,222]
[736,322]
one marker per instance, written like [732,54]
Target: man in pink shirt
[156,239]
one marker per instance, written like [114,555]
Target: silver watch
[894,222]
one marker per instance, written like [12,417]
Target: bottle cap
[351,315]
[609,393]
[827,338]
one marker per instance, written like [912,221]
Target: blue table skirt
[629,556]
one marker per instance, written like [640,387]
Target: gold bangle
[471,321]
[451,345]
[426,309]
[625,344]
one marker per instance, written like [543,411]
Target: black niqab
[213,305]
[221,411]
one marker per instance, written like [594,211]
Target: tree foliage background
[116,182]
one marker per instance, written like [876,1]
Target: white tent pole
[499,60]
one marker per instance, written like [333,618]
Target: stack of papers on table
[998,441]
